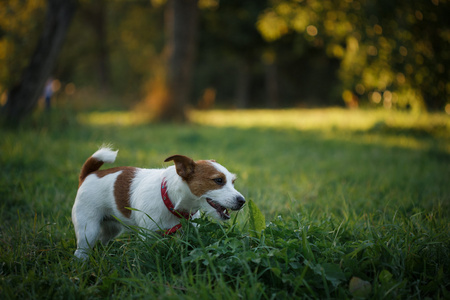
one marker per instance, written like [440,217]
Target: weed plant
[348,214]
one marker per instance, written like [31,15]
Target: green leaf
[333,273]
[276,271]
[359,288]
[385,276]
[257,221]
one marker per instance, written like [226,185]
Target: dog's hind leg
[87,235]
[109,230]
[86,218]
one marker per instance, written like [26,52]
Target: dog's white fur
[95,203]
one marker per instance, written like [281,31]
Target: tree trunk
[181,31]
[95,14]
[22,98]
[271,85]
[243,85]
[103,52]
[271,78]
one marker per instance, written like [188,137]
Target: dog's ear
[185,166]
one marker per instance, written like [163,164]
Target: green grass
[351,211]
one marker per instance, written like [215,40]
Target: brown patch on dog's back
[122,186]
[103,173]
[122,190]
[203,178]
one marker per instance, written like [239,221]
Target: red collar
[171,208]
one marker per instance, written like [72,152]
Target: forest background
[245,54]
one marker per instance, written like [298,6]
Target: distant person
[48,93]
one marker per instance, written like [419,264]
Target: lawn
[356,204]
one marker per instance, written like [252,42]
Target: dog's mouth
[221,211]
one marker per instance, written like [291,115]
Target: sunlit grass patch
[390,128]
[301,119]
[319,119]
[121,118]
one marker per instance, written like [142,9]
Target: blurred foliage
[134,39]
[392,54]
[20,25]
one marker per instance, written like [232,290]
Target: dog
[110,200]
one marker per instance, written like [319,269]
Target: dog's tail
[93,163]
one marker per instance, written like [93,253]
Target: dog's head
[210,182]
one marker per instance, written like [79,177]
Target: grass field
[356,205]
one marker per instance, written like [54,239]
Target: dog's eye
[219,181]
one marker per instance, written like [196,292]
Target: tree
[94,13]
[23,97]
[169,95]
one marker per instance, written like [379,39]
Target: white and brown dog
[158,198]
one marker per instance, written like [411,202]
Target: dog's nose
[240,200]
